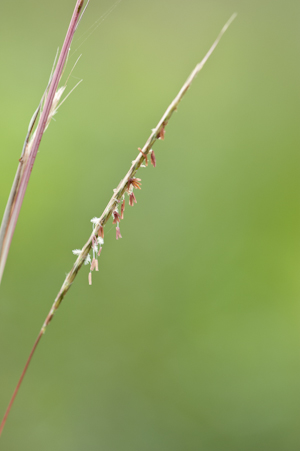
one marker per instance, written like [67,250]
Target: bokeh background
[188,338]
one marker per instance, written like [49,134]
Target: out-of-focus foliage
[188,338]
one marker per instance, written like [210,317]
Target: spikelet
[55,105]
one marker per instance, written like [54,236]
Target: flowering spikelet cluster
[153,159]
[97,243]
[144,155]
[55,104]
[161,133]
[116,220]
[53,111]
[133,183]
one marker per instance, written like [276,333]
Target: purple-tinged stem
[26,175]
[16,207]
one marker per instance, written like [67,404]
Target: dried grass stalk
[30,149]
[157,133]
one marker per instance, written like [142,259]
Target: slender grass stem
[157,133]
[19,187]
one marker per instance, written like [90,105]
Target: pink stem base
[20,381]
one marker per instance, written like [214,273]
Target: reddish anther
[122,209]
[153,159]
[94,242]
[135,182]
[93,264]
[144,155]
[118,233]
[101,232]
[132,199]
[161,133]
[117,217]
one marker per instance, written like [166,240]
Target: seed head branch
[128,181]
[157,133]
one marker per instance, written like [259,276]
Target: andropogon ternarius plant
[115,208]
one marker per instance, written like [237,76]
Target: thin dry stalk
[157,133]
[28,155]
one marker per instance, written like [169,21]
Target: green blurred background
[188,338]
